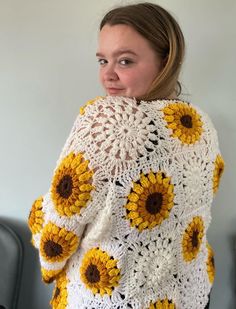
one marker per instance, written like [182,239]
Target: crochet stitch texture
[124,223]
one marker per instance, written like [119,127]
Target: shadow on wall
[33,293]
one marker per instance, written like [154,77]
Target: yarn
[124,224]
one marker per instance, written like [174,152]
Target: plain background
[48,69]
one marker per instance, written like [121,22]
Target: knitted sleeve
[58,219]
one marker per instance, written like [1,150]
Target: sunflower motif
[192,239]
[82,109]
[210,264]
[150,200]
[184,121]
[49,275]
[36,216]
[218,171]
[71,185]
[57,243]
[59,298]
[99,272]
[162,304]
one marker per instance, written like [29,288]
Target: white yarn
[99,230]
[122,141]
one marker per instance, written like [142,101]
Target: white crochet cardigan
[124,223]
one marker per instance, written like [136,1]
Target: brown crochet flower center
[186,121]
[154,203]
[213,261]
[220,172]
[92,274]
[57,292]
[195,239]
[52,249]
[64,188]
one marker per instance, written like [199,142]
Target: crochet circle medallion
[36,216]
[192,239]
[71,185]
[99,272]
[59,297]
[184,121]
[57,243]
[150,200]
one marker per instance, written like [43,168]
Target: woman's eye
[102,61]
[125,61]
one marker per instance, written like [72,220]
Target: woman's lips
[114,90]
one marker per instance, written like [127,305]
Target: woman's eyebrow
[119,52]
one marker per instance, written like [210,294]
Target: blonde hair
[163,32]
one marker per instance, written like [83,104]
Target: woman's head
[156,46]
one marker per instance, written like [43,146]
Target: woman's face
[128,65]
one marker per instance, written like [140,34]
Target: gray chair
[11,265]
[21,286]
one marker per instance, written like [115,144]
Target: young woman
[124,224]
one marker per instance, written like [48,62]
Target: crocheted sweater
[124,223]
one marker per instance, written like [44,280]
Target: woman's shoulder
[171,113]
[115,132]
[178,108]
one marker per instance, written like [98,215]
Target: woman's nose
[110,73]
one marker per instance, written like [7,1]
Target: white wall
[48,70]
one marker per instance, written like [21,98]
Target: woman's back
[142,228]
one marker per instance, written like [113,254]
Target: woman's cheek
[128,78]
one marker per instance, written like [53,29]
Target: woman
[124,223]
